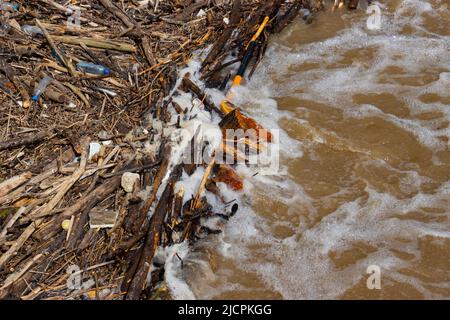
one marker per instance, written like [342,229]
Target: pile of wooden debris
[87,156]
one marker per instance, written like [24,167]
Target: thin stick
[97,43]
[52,44]
[19,242]
[16,275]
[66,184]
[12,221]
[194,204]
[78,93]
[14,182]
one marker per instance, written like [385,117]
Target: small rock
[128,181]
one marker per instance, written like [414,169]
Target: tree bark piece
[11,222]
[188,11]
[148,52]
[66,185]
[23,141]
[223,39]
[135,279]
[127,21]
[226,174]
[96,43]
[12,183]
[236,120]
[19,242]
[96,196]
[292,13]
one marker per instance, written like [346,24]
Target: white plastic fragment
[94,148]
[201,13]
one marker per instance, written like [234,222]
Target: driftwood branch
[24,141]
[12,183]
[189,85]
[135,279]
[96,43]
[134,28]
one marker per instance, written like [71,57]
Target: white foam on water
[173,275]
[415,54]
[299,266]
[303,268]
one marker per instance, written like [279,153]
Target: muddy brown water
[364,119]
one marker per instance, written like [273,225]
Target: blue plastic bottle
[6,6]
[32,30]
[40,87]
[93,68]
